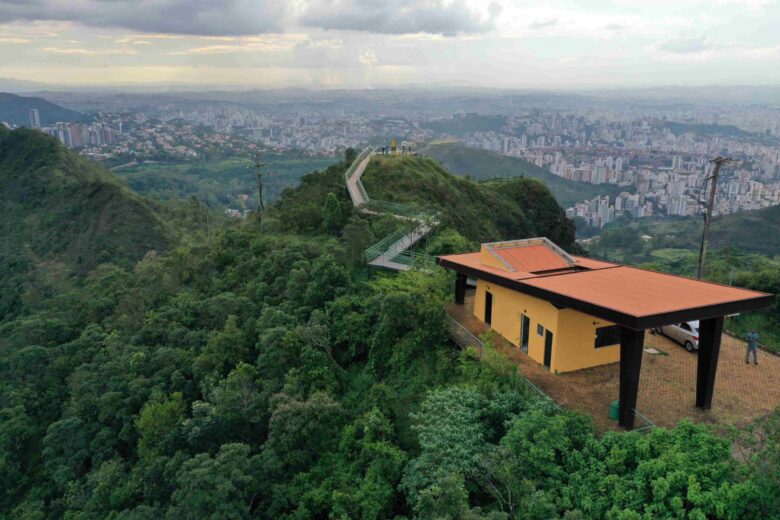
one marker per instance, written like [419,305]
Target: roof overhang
[761,300]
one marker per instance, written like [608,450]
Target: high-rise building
[505,145]
[35,118]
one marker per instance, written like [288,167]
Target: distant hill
[15,109]
[65,212]
[519,208]
[459,125]
[754,231]
[484,164]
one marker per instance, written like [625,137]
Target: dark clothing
[752,346]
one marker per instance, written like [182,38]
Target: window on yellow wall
[606,336]
[540,329]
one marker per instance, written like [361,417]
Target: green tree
[357,236]
[332,218]
[216,488]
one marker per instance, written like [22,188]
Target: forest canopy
[246,374]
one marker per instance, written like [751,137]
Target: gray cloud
[398,16]
[686,45]
[543,24]
[196,17]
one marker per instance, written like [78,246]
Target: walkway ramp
[393,251]
[389,258]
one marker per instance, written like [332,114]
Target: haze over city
[371,43]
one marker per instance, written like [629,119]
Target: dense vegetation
[218,183]
[480,212]
[484,164]
[61,214]
[751,231]
[258,375]
[15,110]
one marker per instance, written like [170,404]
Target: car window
[685,326]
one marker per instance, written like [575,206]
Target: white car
[685,333]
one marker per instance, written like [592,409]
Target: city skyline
[370,44]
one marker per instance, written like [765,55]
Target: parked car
[685,333]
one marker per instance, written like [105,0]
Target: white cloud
[77,51]
[13,41]
[686,45]
[543,23]
[368,57]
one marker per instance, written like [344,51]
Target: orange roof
[472,260]
[640,293]
[532,258]
[625,295]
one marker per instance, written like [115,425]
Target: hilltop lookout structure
[570,313]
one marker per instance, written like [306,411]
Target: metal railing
[462,336]
[416,259]
[352,167]
[381,247]
[465,339]
[425,220]
[649,425]
[541,393]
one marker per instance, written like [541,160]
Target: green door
[488,307]
[525,327]
[548,340]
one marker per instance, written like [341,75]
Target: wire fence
[465,340]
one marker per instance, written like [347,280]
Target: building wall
[576,344]
[574,332]
[508,306]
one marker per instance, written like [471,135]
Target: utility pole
[718,161]
[259,175]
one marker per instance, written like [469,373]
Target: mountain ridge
[14,109]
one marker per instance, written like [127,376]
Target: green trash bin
[614,410]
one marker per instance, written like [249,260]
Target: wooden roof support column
[631,345]
[710,332]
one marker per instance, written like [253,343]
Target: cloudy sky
[373,43]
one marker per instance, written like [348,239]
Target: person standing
[752,346]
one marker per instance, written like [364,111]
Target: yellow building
[570,313]
[561,339]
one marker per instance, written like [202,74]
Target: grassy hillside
[56,207]
[14,109]
[480,212]
[484,164]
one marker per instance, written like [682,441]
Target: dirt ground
[667,385]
